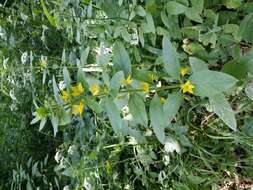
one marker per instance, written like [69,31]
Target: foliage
[131,94]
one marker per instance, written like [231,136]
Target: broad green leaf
[249,90]
[170,59]
[246,28]
[114,115]
[140,11]
[193,15]
[233,4]
[116,81]
[121,59]
[136,134]
[175,8]
[197,64]
[66,77]
[197,5]
[172,105]
[158,118]
[137,109]
[209,83]
[150,23]
[221,107]
[238,70]
[50,18]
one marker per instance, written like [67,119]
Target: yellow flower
[187,87]
[127,81]
[65,96]
[77,90]
[184,71]
[145,87]
[162,100]
[78,109]
[42,64]
[95,89]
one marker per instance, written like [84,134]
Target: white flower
[24,57]
[62,85]
[86,184]
[171,146]
[71,149]
[57,156]
[66,187]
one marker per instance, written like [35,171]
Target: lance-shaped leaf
[222,108]
[50,18]
[66,77]
[158,118]
[121,59]
[172,105]
[137,109]
[208,83]
[114,115]
[170,59]
[56,92]
[197,64]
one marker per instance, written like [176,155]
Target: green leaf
[116,81]
[114,115]
[172,105]
[92,104]
[56,92]
[193,15]
[150,22]
[209,83]
[197,64]
[50,18]
[249,90]
[246,28]
[121,59]
[158,118]
[221,107]
[55,123]
[84,55]
[175,8]
[66,77]
[81,78]
[233,4]
[197,5]
[42,123]
[89,10]
[64,118]
[170,59]
[137,109]
[140,11]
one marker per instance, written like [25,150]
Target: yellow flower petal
[65,96]
[127,81]
[95,89]
[145,87]
[184,71]
[77,90]
[78,109]
[187,87]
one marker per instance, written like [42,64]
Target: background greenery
[186,141]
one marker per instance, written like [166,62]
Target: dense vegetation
[126,94]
